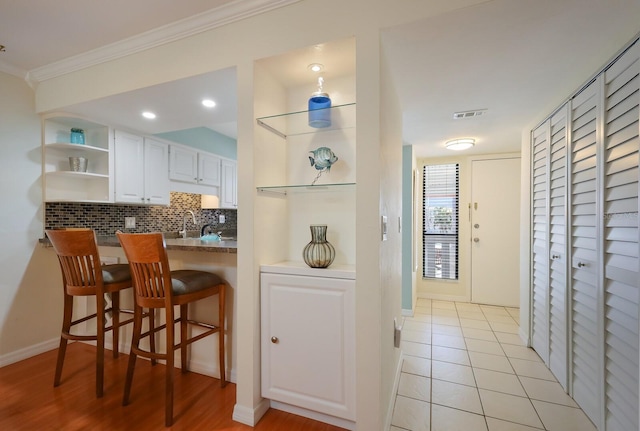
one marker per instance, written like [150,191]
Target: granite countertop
[181,244]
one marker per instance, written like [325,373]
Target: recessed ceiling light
[315,67]
[460,144]
[148,114]
[208,103]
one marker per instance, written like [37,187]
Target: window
[440,221]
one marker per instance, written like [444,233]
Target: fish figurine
[322,158]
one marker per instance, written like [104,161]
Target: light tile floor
[466,369]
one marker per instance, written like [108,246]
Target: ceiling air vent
[469,114]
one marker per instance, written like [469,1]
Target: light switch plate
[129,222]
[383,227]
[397,333]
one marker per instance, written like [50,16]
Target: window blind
[440,221]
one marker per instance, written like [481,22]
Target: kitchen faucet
[183,232]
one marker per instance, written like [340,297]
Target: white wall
[30,296]
[391,250]
[262,36]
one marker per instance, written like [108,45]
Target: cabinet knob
[274,340]
[555,256]
[581,264]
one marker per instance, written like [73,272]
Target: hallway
[465,368]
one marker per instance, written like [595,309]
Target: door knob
[476,239]
[274,340]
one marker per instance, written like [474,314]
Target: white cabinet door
[586,376]
[558,304]
[620,233]
[549,252]
[141,167]
[129,168]
[308,339]
[229,184]
[183,165]
[208,169]
[156,172]
[540,240]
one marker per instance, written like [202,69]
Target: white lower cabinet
[308,339]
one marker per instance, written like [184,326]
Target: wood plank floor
[28,400]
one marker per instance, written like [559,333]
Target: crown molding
[228,13]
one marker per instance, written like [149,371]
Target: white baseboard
[247,415]
[524,337]
[209,369]
[320,417]
[200,367]
[28,352]
[396,383]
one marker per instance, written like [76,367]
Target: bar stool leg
[100,317]
[66,327]
[115,322]
[135,343]
[221,320]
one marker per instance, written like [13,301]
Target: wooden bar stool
[156,286]
[83,275]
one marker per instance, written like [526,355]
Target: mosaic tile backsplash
[106,219]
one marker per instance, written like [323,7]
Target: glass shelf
[305,188]
[297,123]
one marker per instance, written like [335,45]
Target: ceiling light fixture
[208,103]
[460,144]
[315,67]
[149,115]
[469,114]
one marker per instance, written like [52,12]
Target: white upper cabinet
[229,184]
[183,165]
[191,166]
[156,172]
[141,166]
[208,169]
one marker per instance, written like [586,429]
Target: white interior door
[495,231]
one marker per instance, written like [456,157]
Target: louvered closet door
[620,220]
[540,249]
[586,380]
[558,247]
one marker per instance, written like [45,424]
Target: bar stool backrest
[149,266]
[79,260]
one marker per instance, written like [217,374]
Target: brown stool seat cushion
[189,281]
[116,273]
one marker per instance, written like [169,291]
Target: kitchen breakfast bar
[218,257]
